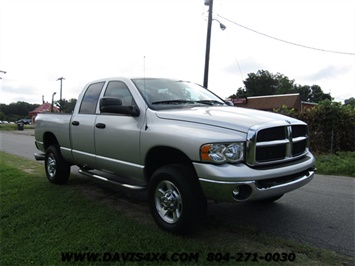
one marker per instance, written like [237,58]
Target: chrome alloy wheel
[51,166]
[168,202]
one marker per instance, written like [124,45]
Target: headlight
[221,153]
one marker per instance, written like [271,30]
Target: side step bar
[134,187]
[39,156]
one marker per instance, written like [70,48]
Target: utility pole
[60,99]
[208,42]
[54,93]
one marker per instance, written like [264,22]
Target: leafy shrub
[331,126]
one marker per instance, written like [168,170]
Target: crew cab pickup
[177,140]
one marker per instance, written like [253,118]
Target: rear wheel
[175,198]
[57,169]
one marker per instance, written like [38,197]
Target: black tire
[176,199]
[269,200]
[57,169]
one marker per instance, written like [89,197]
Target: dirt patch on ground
[26,167]
[29,170]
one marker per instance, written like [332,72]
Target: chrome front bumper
[239,183]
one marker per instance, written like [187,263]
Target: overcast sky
[81,41]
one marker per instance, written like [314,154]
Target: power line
[280,40]
[236,58]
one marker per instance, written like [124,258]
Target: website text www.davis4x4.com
[152,257]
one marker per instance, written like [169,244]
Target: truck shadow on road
[286,218]
[220,216]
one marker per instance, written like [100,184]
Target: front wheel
[57,169]
[269,200]
[176,199]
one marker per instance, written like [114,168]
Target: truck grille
[276,144]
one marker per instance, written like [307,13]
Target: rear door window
[90,99]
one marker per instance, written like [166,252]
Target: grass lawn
[11,127]
[42,224]
[341,164]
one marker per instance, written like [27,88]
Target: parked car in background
[24,121]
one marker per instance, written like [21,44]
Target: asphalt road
[321,214]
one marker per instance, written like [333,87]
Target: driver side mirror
[114,105]
[229,103]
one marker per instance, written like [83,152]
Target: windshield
[167,93]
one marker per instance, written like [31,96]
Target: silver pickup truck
[180,142]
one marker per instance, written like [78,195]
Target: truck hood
[235,118]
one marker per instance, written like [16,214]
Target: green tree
[260,83]
[241,93]
[2,116]
[15,111]
[70,105]
[284,84]
[67,106]
[350,101]
[318,95]
[304,91]
[265,83]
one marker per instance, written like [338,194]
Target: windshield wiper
[210,102]
[173,102]
[181,101]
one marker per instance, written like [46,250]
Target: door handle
[100,125]
[75,123]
